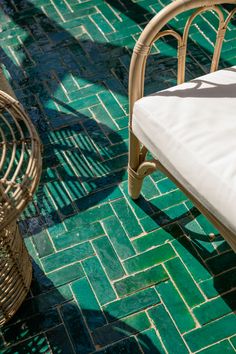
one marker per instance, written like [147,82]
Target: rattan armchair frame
[139,167]
[20,170]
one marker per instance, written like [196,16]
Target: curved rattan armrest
[152,32]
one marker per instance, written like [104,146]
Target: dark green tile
[59,341]
[214,286]
[222,262]
[127,346]
[108,258]
[76,328]
[121,329]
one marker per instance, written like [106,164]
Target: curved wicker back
[152,32]
[20,159]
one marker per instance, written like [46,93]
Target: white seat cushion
[191,129]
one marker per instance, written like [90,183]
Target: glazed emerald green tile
[58,338]
[76,328]
[233,341]
[150,342]
[131,304]
[96,213]
[127,217]
[112,105]
[149,258]
[66,274]
[128,346]
[166,185]
[118,237]
[102,23]
[216,308]
[100,112]
[176,306]
[141,206]
[157,237]
[184,282]
[82,233]
[191,259]
[219,348]
[172,198]
[98,280]
[108,258]
[211,332]
[167,330]
[140,280]
[219,284]
[222,262]
[43,244]
[120,329]
[67,256]
[88,304]
[149,189]
[68,63]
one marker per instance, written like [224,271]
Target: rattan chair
[189,129]
[20,169]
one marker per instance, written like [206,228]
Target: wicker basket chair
[20,169]
[156,123]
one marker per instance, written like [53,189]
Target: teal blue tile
[108,258]
[150,342]
[140,280]
[149,258]
[131,304]
[127,218]
[66,257]
[84,232]
[88,304]
[218,348]
[184,282]
[176,306]
[216,308]
[118,237]
[167,330]
[211,332]
[98,280]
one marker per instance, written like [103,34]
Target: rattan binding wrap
[20,169]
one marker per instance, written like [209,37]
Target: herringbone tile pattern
[110,275]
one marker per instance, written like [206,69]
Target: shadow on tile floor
[55,322]
[198,242]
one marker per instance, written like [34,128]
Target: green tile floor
[110,275]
